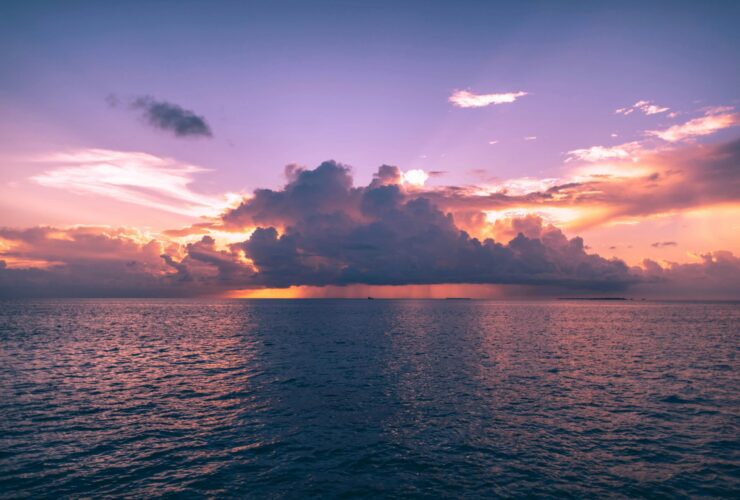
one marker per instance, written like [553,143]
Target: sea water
[327,398]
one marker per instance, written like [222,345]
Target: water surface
[368,398]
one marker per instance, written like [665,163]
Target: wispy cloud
[713,120]
[466,99]
[132,177]
[646,107]
[601,153]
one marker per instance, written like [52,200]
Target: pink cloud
[711,122]
[466,99]
[132,177]
[600,153]
[646,107]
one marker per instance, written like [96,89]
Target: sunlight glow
[415,178]
[558,216]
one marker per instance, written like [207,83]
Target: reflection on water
[325,398]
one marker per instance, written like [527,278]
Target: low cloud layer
[172,118]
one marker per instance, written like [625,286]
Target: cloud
[715,276]
[661,244]
[644,106]
[712,121]
[592,194]
[530,138]
[320,230]
[601,153]
[131,177]
[80,261]
[172,118]
[466,99]
[105,261]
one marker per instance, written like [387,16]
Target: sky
[393,149]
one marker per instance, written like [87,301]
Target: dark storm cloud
[319,230]
[172,118]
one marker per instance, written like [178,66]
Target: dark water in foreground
[377,398]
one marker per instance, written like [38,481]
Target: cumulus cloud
[172,118]
[645,107]
[320,230]
[712,121]
[467,99]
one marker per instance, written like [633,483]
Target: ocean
[368,398]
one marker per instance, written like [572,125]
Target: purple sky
[364,83]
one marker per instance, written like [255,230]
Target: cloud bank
[320,230]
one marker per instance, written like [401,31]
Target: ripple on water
[358,398]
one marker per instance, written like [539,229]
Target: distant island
[593,298]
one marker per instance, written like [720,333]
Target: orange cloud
[710,123]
